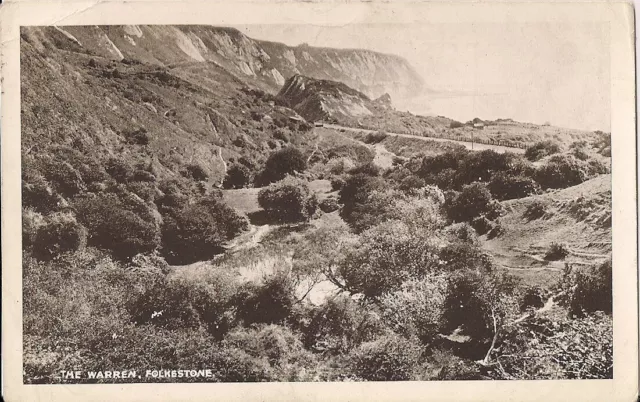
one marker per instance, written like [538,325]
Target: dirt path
[469,145]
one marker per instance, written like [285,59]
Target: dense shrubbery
[390,358]
[124,230]
[270,301]
[556,252]
[535,210]
[593,290]
[198,231]
[238,176]
[289,200]
[329,205]
[561,171]
[59,234]
[474,200]
[541,149]
[286,161]
[506,187]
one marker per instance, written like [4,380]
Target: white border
[620,16]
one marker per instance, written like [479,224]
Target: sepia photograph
[294,202]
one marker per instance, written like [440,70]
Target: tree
[289,200]
[199,230]
[474,200]
[238,176]
[281,163]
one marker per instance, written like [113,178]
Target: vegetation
[289,200]
[286,161]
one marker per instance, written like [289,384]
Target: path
[467,144]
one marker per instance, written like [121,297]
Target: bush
[282,135]
[593,290]
[447,366]
[198,231]
[482,225]
[375,138]
[119,169]
[281,163]
[534,297]
[455,124]
[143,176]
[369,169]
[415,310]
[117,227]
[457,256]
[475,299]
[269,302]
[275,344]
[290,200]
[341,324]
[196,172]
[64,178]
[329,205]
[474,200]
[556,252]
[411,183]
[541,149]
[60,233]
[535,210]
[391,358]
[504,186]
[137,137]
[238,176]
[561,171]
[37,194]
[386,256]
[337,183]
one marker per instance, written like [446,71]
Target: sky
[532,72]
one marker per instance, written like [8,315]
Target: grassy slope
[578,216]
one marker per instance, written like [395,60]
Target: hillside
[578,217]
[264,64]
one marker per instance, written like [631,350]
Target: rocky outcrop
[323,99]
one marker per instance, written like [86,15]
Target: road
[467,144]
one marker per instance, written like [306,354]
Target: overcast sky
[537,72]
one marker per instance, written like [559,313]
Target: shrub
[455,124]
[355,191]
[535,210]
[143,176]
[290,200]
[337,183]
[375,138]
[119,169]
[269,302]
[544,348]
[496,231]
[534,297]
[462,232]
[474,200]
[196,172]
[238,176]
[457,256]
[198,231]
[415,310]
[386,256]
[341,324]
[114,226]
[482,225]
[391,358]
[541,149]
[369,169]
[329,205]
[411,183]
[447,366]
[561,171]
[281,163]
[556,252]
[477,301]
[64,178]
[137,137]
[275,344]
[504,186]
[60,233]
[340,165]
[282,135]
[37,194]
[593,290]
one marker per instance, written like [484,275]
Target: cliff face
[265,64]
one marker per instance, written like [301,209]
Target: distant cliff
[265,64]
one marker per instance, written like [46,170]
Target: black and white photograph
[291,202]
